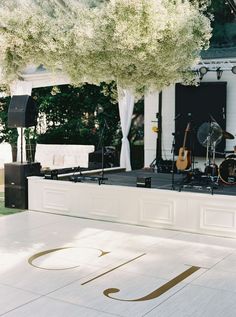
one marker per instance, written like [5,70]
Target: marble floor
[57,266]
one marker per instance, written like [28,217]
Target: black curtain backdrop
[199,104]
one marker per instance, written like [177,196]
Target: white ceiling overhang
[40,77]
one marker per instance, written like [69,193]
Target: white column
[168,122]
[230,111]
[151,101]
[126,106]
[20,87]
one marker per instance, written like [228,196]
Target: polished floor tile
[197,301]
[57,231]
[43,281]
[11,297]
[130,299]
[82,267]
[191,253]
[228,264]
[217,279]
[205,239]
[162,266]
[47,307]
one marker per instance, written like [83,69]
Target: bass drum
[227,170]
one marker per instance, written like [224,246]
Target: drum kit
[209,135]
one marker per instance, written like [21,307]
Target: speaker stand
[21,145]
[101,145]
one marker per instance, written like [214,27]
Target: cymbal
[227,135]
[209,133]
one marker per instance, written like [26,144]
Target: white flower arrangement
[140,44]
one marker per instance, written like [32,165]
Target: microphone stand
[99,179]
[21,145]
[173,163]
[173,155]
[101,144]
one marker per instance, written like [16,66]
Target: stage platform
[185,208]
[164,181]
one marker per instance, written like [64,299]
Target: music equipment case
[16,183]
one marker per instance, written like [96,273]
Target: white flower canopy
[143,45]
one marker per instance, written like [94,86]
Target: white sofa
[54,156]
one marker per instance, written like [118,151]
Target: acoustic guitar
[184,158]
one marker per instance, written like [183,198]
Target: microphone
[178,116]
[223,112]
[99,109]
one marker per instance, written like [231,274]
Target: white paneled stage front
[197,212]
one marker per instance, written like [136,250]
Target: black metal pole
[101,143]
[21,145]
[173,163]
[159,143]
[102,173]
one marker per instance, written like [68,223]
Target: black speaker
[16,184]
[16,197]
[22,112]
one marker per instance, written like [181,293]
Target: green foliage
[77,115]
[224,24]
[74,115]
[9,135]
[221,12]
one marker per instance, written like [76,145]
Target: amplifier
[144,182]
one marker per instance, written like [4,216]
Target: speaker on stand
[22,113]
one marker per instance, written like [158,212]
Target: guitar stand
[155,166]
[162,166]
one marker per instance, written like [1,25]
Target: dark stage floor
[197,183]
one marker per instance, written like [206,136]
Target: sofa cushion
[70,161]
[63,155]
[58,160]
